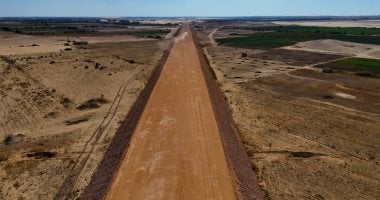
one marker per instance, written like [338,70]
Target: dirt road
[176,151]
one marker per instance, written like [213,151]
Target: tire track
[102,178]
[67,189]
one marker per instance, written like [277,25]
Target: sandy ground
[176,151]
[17,44]
[231,67]
[358,23]
[309,135]
[307,147]
[338,47]
[59,113]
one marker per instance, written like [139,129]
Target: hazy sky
[187,7]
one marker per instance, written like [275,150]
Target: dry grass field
[61,108]
[305,100]
[309,134]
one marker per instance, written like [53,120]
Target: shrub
[8,60]
[66,102]
[3,156]
[328,96]
[8,139]
[244,55]
[93,103]
[80,43]
[327,70]
[365,74]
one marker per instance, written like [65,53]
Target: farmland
[313,29]
[359,66]
[282,39]
[305,101]
[82,26]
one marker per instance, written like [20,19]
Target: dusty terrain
[59,111]
[339,47]
[310,135]
[18,44]
[176,151]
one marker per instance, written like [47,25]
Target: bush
[244,55]
[3,157]
[328,96]
[154,36]
[8,139]
[327,70]
[6,29]
[93,103]
[66,102]
[8,60]
[365,74]
[80,43]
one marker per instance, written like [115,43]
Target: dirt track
[176,151]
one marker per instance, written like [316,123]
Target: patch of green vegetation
[77,26]
[8,60]
[317,29]
[45,30]
[59,26]
[149,33]
[359,66]
[281,39]
[360,62]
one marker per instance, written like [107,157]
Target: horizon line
[378,15]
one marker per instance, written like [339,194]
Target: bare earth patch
[59,111]
[310,135]
[338,47]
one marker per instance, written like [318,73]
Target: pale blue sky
[114,8]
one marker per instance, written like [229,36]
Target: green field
[75,30]
[360,66]
[316,29]
[149,33]
[77,27]
[281,39]
[45,30]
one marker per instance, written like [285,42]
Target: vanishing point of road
[176,151]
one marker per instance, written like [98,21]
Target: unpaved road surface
[176,151]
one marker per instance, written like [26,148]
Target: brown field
[338,47]
[17,44]
[122,117]
[60,110]
[309,135]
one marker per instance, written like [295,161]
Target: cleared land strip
[176,151]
